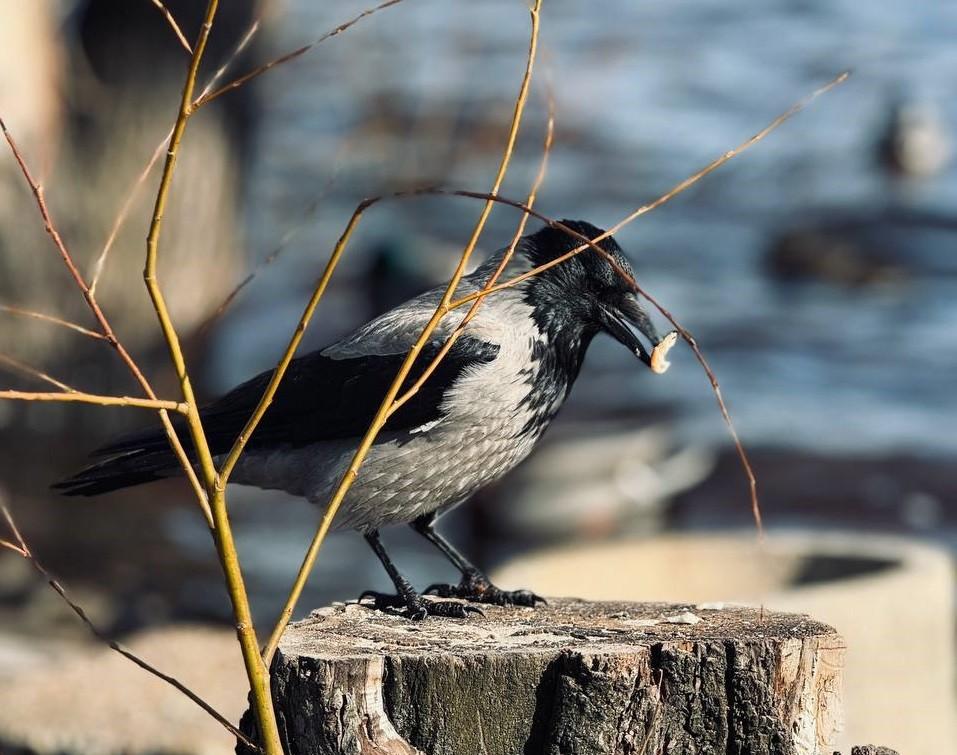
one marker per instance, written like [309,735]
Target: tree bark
[571,677]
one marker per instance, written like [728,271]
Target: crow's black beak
[626,321]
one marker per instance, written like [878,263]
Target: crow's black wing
[320,398]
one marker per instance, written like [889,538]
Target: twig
[208,97]
[509,252]
[93,398]
[229,463]
[237,51]
[51,319]
[131,196]
[270,258]
[24,550]
[108,335]
[593,243]
[644,209]
[685,334]
[440,311]
[493,197]
[26,369]
[134,190]
[256,671]
[172,22]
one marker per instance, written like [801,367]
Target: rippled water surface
[645,93]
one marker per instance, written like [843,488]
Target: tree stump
[570,677]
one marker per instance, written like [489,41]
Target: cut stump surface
[570,677]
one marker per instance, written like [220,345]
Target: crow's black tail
[134,460]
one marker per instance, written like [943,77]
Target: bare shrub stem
[173,25]
[256,671]
[93,398]
[509,252]
[208,97]
[107,330]
[19,312]
[493,197]
[22,549]
[133,192]
[441,310]
[25,369]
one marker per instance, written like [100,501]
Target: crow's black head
[585,294]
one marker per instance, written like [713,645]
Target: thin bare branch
[685,334]
[257,672]
[208,97]
[133,193]
[204,98]
[131,197]
[51,319]
[237,51]
[108,335]
[33,372]
[175,26]
[644,209]
[509,252]
[10,546]
[93,398]
[441,310]
[586,243]
[270,258]
[230,462]
[12,525]
[24,550]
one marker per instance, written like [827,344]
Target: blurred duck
[915,142]
[888,244]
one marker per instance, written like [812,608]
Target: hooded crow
[478,415]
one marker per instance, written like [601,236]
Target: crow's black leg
[407,598]
[475,585]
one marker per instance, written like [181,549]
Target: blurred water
[645,93]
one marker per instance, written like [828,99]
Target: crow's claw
[452,609]
[417,609]
[477,588]
[382,601]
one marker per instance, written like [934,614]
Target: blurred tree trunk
[89,98]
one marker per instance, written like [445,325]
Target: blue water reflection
[645,94]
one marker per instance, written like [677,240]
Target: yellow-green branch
[509,252]
[441,310]
[493,197]
[108,334]
[256,671]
